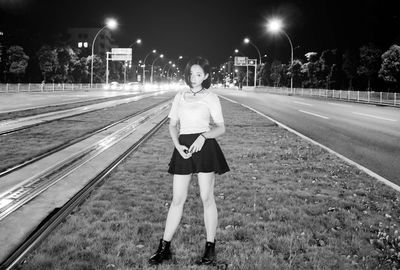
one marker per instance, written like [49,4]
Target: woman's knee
[207,198]
[178,200]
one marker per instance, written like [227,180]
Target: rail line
[71,142]
[58,215]
[55,118]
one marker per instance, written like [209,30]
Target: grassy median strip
[20,146]
[286,204]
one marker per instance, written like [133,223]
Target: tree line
[367,68]
[57,64]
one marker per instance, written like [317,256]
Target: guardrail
[384,98]
[47,87]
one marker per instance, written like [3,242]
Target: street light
[247,67]
[162,71]
[152,66]
[144,65]
[173,65]
[247,40]
[111,24]
[238,52]
[274,26]
[138,42]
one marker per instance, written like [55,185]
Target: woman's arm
[173,131]
[215,132]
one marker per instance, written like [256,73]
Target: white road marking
[302,103]
[374,116]
[65,99]
[340,105]
[317,115]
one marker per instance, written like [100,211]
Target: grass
[286,204]
[47,109]
[25,144]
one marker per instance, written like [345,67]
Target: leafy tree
[390,68]
[349,66]
[265,74]
[295,69]
[47,61]
[98,68]
[311,57]
[17,61]
[327,66]
[66,59]
[370,61]
[277,69]
[80,72]
[310,70]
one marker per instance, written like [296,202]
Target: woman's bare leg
[180,190]
[206,184]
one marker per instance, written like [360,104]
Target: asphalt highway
[366,134]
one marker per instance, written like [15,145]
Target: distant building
[82,38]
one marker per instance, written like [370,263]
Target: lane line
[374,116]
[340,105]
[65,99]
[351,162]
[302,103]
[314,114]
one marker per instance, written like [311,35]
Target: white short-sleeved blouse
[194,116]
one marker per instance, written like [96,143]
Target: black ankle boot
[209,257]
[163,253]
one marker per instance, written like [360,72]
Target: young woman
[196,152]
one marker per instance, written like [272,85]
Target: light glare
[111,23]
[274,25]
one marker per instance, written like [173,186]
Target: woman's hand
[197,144]
[183,151]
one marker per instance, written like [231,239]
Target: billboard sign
[240,61]
[121,54]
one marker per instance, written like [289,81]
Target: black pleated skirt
[209,159]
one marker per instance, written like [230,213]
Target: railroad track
[55,174]
[58,115]
[66,144]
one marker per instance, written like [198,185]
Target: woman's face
[197,76]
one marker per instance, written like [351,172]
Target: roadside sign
[121,50]
[121,57]
[121,54]
[251,62]
[240,61]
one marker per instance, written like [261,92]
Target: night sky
[215,28]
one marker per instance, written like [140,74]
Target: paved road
[366,134]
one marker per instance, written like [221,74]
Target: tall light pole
[162,71]
[152,66]
[177,62]
[144,65]
[173,65]
[247,40]
[111,24]
[274,26]
[138,42]
[247,67]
